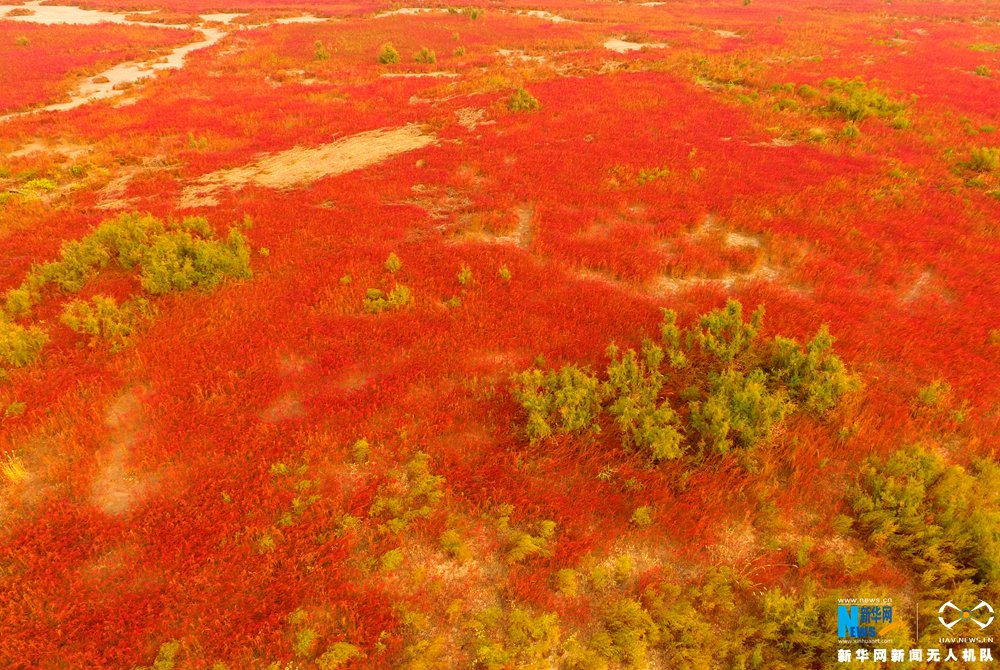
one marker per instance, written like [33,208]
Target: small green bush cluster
[422,491]
[650,174]
[378,301]
[388,54]
[524,545]
[984,159]
[102,318]
[19,345]
[425,55]
[319,51]
[166,657]
[854,100]
[522,101]
[738,387]
[172,255]
[941,520]
[514,638]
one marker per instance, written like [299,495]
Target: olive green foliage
[524,545]
[984,159]
[169,255]
[453,545]
[634,386]
[814,377]
[378,301]
[425,55]
[629,632]
[20,345]
[388,54]
[102,318]
[854,100]
[941,520]
[320,52]
[465,275]
[723,333]
[337,655]
[393,263]
[513,638]
[165,657]
[737,385]
[739,410]
[421,492]
[563,401]
[522,101]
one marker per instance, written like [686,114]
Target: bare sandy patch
[411,75]
[621,46]
[728,34]
[67,149]
[470,117]
[300,166]
[545,16]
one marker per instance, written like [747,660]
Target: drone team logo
[949,618]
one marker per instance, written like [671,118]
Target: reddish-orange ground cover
[200,485]
[41,64]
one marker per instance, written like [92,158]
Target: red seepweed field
[576,335]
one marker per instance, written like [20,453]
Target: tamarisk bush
[737,386]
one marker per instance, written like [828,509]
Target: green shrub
[643,516]
[504,273]
[628,634]
[180,261]
[935,394]
[422,491]
[336,655]
[940,519]
[319,51]
[103,318]
[816,377]
[739,410]
[388,54]
[984,159]
[393,264]
[464,275]
[645,421]
[391,560]
[723,333]
[568,582]
[166,657]
[454,546]
[425,55]
[855,100]
[738,388]
[377,301]
[983,71]
[522,101]
[564,401]
[19,345]
[174,255]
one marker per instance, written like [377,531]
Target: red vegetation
[670,177]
